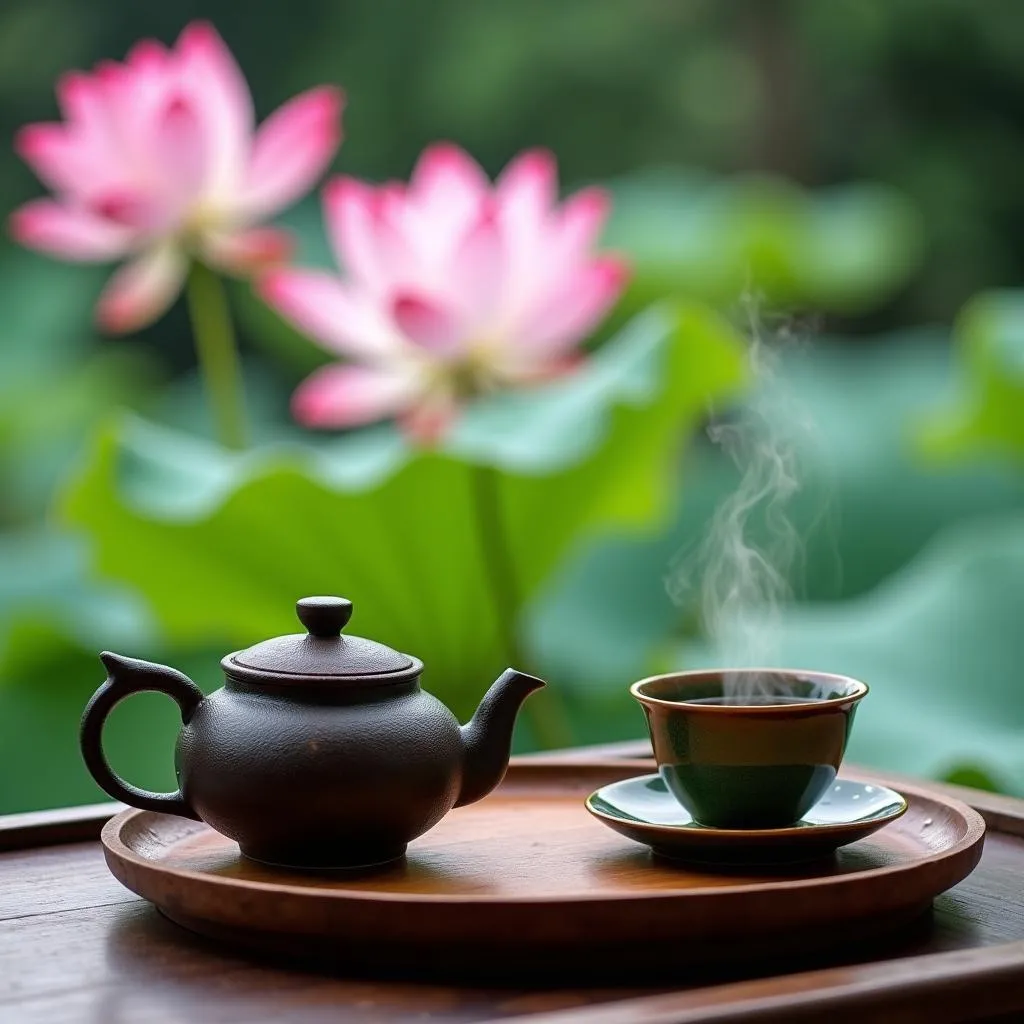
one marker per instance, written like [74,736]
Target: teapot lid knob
[324,616]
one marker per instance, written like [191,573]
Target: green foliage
[988,416]
[972,777]
[53,383]
[221,545]
[53,620]
[46,598]
[844,250]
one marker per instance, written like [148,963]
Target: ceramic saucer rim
[787,831]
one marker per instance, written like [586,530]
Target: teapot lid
[322,651]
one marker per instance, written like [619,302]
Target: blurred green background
[851,168]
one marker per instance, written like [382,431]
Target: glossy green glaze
[748,748]
[643,809]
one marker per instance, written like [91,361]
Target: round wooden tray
[526,880]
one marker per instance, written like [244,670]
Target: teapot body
[307,778]
[320,750]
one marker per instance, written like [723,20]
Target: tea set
[321,751]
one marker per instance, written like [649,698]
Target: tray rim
[117,854]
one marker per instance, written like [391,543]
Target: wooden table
[76,946]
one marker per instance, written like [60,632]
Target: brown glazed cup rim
[857,690]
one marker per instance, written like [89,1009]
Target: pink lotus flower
[454,287]
[157,159]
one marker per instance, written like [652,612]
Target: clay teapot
[320,750]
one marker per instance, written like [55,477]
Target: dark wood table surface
[76,946]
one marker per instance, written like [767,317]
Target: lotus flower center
[200,220]
[474,373]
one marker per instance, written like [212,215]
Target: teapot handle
[127,676]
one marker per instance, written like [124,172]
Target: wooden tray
[526,880]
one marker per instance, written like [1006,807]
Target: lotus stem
[217,353]
[545,710]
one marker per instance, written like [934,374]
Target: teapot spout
[487,737]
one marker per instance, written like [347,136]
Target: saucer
[642,808]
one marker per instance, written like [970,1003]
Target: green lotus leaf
[844,249]
[987,416]
[53,621]
[44,583]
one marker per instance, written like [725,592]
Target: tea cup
[749,748]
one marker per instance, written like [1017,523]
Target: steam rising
[741,571]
